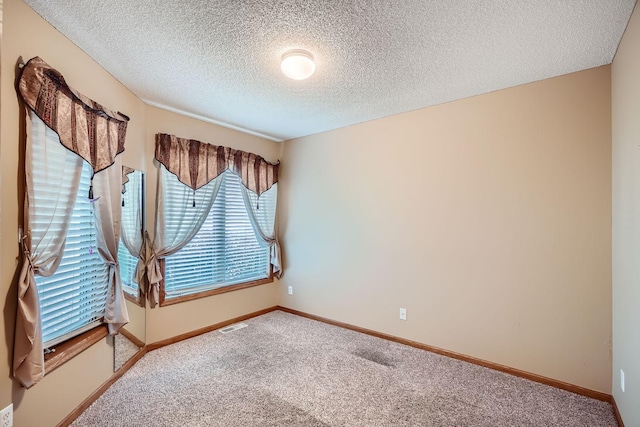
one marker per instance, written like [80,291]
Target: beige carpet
[284,370]
[123,350]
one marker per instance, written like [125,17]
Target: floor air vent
[233,328]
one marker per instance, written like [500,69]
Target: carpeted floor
[285,370]
[123,350]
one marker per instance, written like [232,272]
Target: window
[127,270]
[73,299]
[65,286]
[132,214]
[225,250]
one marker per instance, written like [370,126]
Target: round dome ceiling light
[297,64]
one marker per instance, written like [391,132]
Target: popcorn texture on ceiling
[220,60]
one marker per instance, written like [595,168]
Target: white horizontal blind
[127,270]
[225,250]
[73,299]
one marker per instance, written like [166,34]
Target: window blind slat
[131,220]
[75,296]
[225,251]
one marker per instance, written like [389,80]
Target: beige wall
[489,222]
[626,221]
[487,218]
[26,34]
[64,389]
[5,398]
[137,320]
[173,320]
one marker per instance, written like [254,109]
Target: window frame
[59,353]
[54,343]
[166,300]
[133,298]
[136,297]
[72,347]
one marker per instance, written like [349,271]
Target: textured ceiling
[219,60]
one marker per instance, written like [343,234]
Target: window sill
[71,348]
[134,299]
[164,301]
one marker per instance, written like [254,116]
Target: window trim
[137,298]
[165,301]
[72,347]
[134,299]
[80,272]
[168,299]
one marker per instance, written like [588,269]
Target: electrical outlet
[403,314]
[290,290]
[6,416]
[622,380]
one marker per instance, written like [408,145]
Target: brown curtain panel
[146,262]
[197,163]
[85,127]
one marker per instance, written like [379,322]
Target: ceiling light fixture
[297,64]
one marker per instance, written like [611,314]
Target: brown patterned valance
[126,170]
[85,127]
[197,163]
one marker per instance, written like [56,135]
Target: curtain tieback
[27,253]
